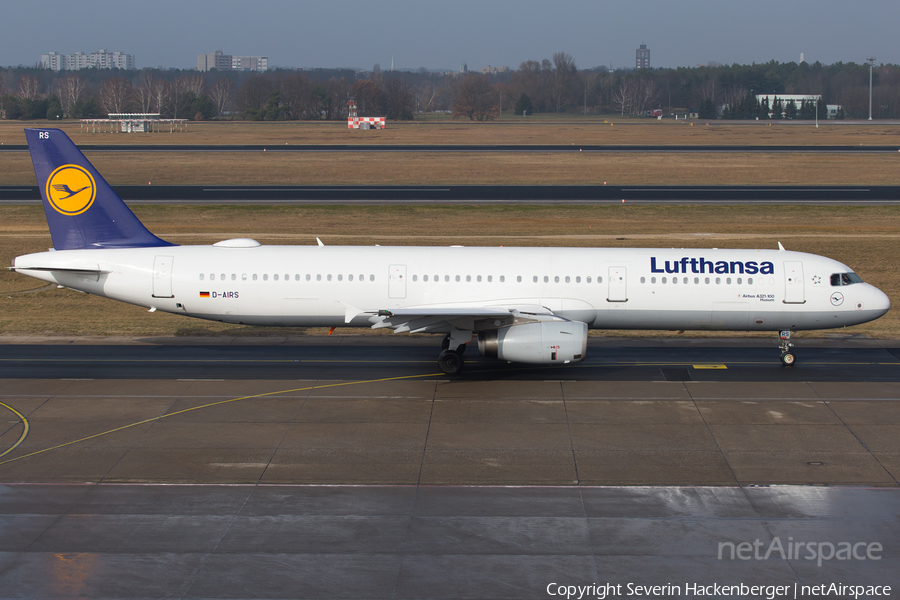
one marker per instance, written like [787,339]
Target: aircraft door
[162,277]
[793,283]
[618,285]
[397,282]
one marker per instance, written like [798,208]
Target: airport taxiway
[347,467]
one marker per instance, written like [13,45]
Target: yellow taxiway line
[186,410]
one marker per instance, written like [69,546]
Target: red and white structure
[355,122]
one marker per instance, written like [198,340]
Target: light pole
[871,60]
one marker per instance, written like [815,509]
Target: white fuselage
[607,288]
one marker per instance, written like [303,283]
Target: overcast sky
[443,35]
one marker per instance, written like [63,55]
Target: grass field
[461,168]
[865,238]
[544,129]
[424,168]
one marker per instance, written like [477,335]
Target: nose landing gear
[787,356]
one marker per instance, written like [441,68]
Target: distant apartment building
[642,58]
[489,70]
[101,59]
[226,62]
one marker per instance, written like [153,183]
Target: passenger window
[362,277]
[371,278]
[222,276]
[319,277]
[447,278]
[287,277]
[243,277]
[275,277]
[578,280]
[749,281]
[664,280]
[265,276]
[415,277]
[233,277]
[685,280]
[599,280]
[706,281]
[201,276]
[728,280]
[502,278]
[212,276]
[718,280]
[457,278]
[534,279]
[546,279]
[674,280]
[643,280]
[254,277]
[468,278]
[425,278]
[478,279]
[297,277]
[653,280]
[308,276]
[588,279]
[340,277]
[696,280]
[490,278]
[518,279]
[739,280]
[567,279]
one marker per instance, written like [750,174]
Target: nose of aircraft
[878,301]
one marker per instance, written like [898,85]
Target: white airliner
[528,305]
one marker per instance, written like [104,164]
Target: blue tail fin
[82,210]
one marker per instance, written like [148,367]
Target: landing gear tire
[787,359]
[450,362]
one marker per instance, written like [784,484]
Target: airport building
[642,57]
[226,62]
[101,59]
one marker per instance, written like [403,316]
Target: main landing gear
[787,357]
[453,346]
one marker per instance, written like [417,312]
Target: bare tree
[646,95]
[115,95]
[69,90]
[221,94]
[159,95]
[29,87]
[708,89]
[564,79]
[476,98]
[194,83]
[143,92]
[623,97]
[369,98]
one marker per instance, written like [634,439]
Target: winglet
[780,247]
[82,209]
[319,242]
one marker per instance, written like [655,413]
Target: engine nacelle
[544,342]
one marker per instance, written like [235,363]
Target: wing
[428,319]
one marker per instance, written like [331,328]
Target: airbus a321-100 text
[526,305]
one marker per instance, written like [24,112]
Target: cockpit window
[838,279]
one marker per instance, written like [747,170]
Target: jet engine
[544,342]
